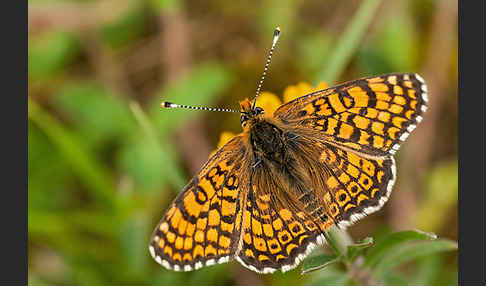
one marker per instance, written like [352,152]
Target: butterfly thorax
[267,141]
[263,136]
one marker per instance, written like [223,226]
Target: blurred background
[104,161]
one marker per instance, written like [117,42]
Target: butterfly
[268,196]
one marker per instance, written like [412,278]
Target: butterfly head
[249,113]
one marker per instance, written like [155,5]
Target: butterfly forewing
[202,225]
[372,115]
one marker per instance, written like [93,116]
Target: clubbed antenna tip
[276,34]
[166,104]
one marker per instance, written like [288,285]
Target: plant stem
[349,42]
[339,240]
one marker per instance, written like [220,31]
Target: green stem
[349,42]
[144,122]
[338,240]
[177,179]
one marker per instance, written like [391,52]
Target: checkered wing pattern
[275,235]
[372,115]
[202,225]
[284,217]
[355,185]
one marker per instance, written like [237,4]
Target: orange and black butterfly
[267,197]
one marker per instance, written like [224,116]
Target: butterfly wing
[372,115]
[355,185]
[202,225]
[289,207]
[276,233]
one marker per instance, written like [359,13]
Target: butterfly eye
[243,119]
[259,110]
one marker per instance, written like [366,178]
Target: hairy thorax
[267,141]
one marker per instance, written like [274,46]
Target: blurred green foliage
[50,52]
[375,262]
[104,161]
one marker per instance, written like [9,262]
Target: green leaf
[330,277]
[335,280]
[50,52]
[98,114]
[150,161]
[150,164]
[62,232]
[45,162]
[43,224]
[84,274]
[318,262]
[410,251]
[201,86]
[395,279]
[92,173]
[375,253]
[132,235]
[354,250]
[208,276]
[429,269]
[126,27]
[83,220]
[168,278]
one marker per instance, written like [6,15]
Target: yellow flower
[302,88]
[270,102]
[224,138]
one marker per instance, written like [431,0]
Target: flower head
[302,88]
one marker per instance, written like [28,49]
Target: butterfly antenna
[167,104]
[276,34]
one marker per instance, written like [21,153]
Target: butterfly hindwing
[344,185]
[356,185]
[275,236]
[201,227]
[372,115]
